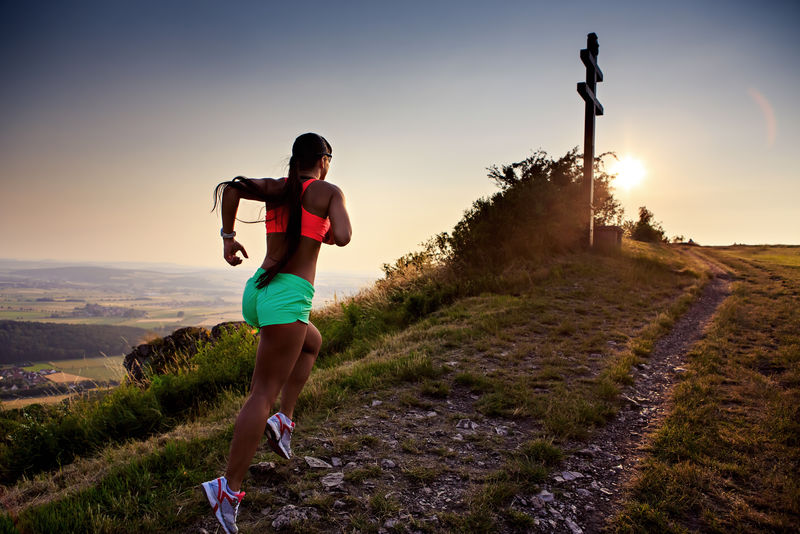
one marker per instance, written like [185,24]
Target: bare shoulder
[327,190]
[333,189]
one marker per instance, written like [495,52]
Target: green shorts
[286,299]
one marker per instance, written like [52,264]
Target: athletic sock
[228,490]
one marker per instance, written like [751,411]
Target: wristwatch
[227,236]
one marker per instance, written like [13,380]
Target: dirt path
[589,485]
[399,461]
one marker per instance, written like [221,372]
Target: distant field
[165,311]
[21,403]
[65,378]
[102,368]
[199,297]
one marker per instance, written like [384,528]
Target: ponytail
[291,197]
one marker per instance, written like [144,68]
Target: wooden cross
[588,90]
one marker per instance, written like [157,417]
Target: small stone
[467,424]
[336,462]
[583,492]
[202,531]
[555,513]
[339,504]
[606,491]
[586,452]
[545,496]
[567,475]
[390,523]
[458,437]
[376,402]
[262,468]
[332,480]
[317,463]
[574,527]
[388,464]
[291,514]
[350,465]
[431,414]
[558,478]
[426,490]
[501,430]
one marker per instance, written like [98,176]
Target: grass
[520,364]
[728,456]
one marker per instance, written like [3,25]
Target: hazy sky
[119,117]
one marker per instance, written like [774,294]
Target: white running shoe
[279,434]
[225,505]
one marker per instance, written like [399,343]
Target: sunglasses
[326,154]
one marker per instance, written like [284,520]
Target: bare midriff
[304,261]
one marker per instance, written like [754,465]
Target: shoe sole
[211,495]
[273,441]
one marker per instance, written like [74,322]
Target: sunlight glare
[629,171]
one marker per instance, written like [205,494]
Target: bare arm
[341,230]
[260,188]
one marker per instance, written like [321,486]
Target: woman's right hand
[230,248]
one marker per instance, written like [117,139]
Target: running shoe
[224,504]
[279,434]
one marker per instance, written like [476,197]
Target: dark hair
[306,151]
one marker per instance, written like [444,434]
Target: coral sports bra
[311,225]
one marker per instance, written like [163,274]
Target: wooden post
[588,90]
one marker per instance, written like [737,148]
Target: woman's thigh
[279,347]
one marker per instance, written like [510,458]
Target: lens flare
[768,113]
[629,171]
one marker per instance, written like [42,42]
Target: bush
[537,211]
[645,229]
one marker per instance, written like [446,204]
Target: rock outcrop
[161,354]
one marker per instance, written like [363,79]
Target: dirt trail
[400,464]
[609,459]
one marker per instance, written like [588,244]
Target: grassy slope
[728,456]
[545,360]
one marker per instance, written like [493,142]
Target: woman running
[303,211]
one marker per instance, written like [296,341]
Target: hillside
[492,382]
[465,421]
[531,368]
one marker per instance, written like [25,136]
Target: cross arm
[588,96]
[591,64]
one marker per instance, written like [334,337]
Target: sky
[119,117]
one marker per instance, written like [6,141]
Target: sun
[629,171]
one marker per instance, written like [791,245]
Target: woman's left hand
[230,248]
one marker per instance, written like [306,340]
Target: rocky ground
[403,463]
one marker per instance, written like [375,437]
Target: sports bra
[311,225]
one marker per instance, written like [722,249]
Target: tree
[645,229]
